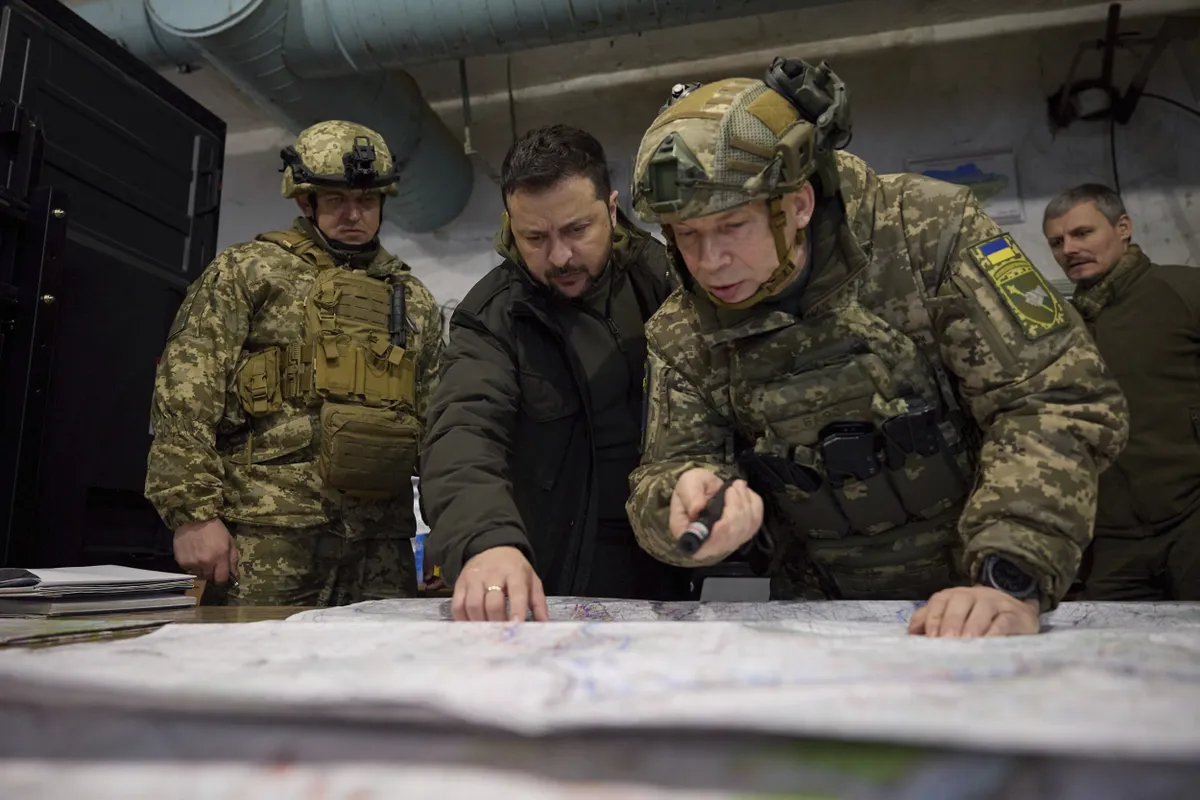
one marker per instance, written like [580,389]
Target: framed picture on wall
[991,176]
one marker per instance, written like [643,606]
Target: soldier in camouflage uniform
[290,398]
[866,362]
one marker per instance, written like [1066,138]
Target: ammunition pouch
[862,496]
[258,382]
[352,362]
[367,452]
[922,469]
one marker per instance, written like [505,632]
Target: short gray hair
[1108,201]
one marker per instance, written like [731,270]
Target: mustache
[565,270]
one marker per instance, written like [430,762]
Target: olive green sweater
[1145,319]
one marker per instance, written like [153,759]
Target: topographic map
[843,616]
[1132,690]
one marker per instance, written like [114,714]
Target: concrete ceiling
[696,52]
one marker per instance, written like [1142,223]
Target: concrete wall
[932,100]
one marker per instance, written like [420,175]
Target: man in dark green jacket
[1145,319]
[536,424]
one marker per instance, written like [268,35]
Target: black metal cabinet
[109,196]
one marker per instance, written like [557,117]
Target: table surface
[227,614]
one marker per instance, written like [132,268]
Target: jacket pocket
[543,401]
[978,327]
[548,428]
[274,481]
[285,439]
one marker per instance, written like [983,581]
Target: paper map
[1099,690]
[845,616]
[618,699]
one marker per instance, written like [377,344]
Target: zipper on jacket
[616,334]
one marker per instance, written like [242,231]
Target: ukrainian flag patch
[1033,304]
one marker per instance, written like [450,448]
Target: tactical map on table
[1101,681]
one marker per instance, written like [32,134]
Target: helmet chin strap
[785,252]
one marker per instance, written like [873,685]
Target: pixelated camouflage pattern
[321,147]
[717,127]
[1044,416]
[318,566]
[209,459]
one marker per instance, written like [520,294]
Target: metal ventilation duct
[307,60]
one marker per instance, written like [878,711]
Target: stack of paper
[89,590]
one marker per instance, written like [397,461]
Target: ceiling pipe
[244,39]
[308,60]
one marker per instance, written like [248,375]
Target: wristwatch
[1000,573]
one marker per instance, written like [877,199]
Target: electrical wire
[1112,132]
[512,103]
[1112,150]
[1173,102]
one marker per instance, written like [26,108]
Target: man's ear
[804,204]
[612,207]
[305,206]
[1125,228]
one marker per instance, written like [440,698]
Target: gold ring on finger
[495,588]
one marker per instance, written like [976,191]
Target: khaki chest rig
[352,360]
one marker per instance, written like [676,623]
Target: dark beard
[574,269]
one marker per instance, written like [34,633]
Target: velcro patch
[1033,304]
[774,111]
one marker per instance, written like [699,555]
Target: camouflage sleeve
[427,314]
[1052,415]
[681,430]
[184,473]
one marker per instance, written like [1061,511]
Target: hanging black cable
[512,104]
[1112,150]
[1173,102]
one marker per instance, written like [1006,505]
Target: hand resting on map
[493,576]
[969,611]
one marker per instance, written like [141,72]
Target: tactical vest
[351,361]
[850,431]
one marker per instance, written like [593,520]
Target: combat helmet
[721,145]
[336,154]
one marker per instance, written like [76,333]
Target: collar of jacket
[628,243]
[1092,299]
[372,259]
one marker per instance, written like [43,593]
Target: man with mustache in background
[1145,319]
[537,422]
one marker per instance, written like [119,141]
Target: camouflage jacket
[209,459]
[914,264]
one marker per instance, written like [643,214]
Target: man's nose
[708,257]
[560,252]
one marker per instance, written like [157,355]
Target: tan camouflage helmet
[336,154]
[724,144]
